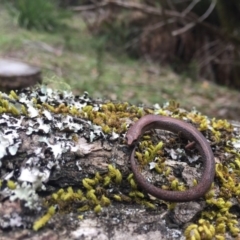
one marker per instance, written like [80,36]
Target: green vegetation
[38,14]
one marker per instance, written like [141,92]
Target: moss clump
[44,219]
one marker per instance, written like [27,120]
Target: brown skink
[189,132]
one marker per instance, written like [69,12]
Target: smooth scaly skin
[189,132]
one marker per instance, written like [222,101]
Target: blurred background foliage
[123,49]
[202,36]
[38,14]
[149,29]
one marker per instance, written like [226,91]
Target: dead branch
[128,5]
[190,7]
[200,19]
[89,8]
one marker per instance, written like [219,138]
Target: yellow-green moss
[11,184]
[44,219]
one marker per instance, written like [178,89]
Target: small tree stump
[17,75]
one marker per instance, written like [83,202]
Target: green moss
[44,219]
